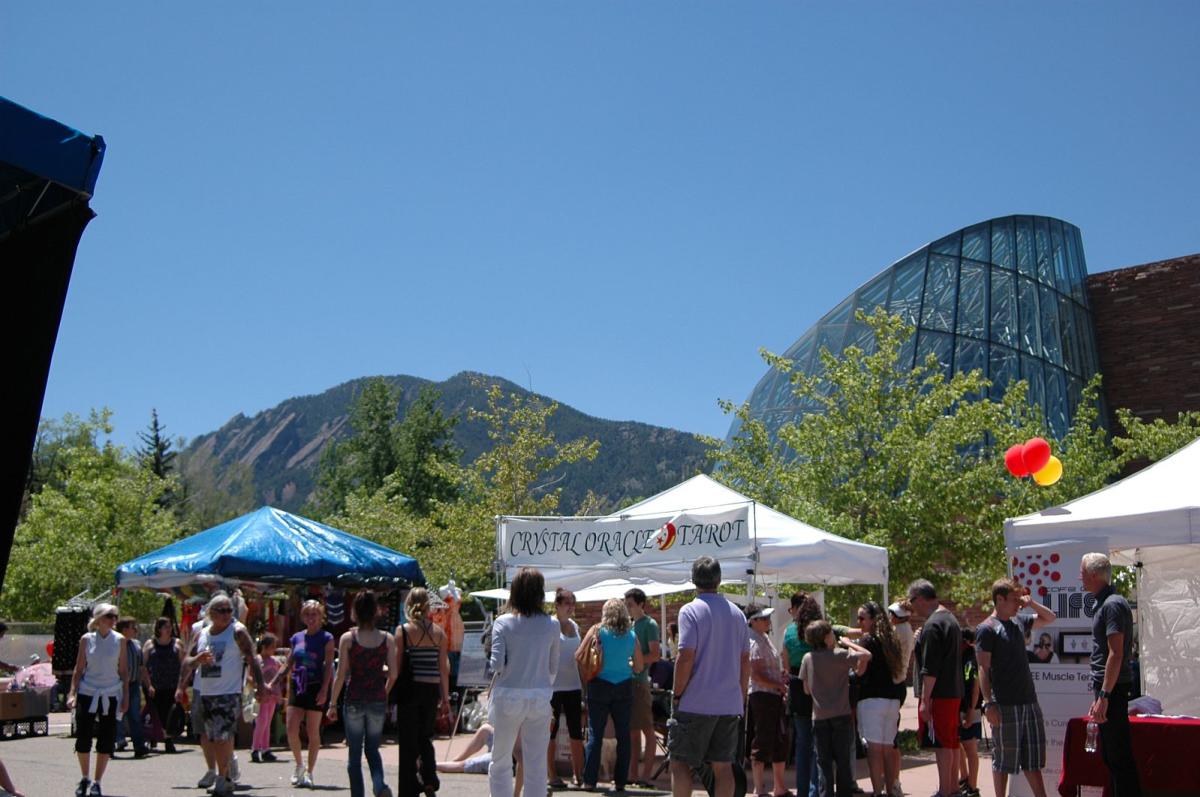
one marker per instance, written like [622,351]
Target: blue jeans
[364,720]
[808,774]
[603,699]
[134,717]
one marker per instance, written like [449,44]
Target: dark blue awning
[44,166]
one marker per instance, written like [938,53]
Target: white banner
[1059,653]
[625,543]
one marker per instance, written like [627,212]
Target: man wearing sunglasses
[219,685]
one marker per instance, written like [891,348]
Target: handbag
[152,727]
[176,720]
[590,655]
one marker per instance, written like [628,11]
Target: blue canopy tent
[270,546]
[48,174]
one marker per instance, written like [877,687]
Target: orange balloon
[1049,474]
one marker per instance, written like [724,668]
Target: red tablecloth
[1167,753]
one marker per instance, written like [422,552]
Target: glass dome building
[1007,296]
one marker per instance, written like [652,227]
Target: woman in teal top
[804,610]
[611,691]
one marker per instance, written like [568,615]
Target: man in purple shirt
[711,675]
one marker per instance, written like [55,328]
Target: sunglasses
[864,617]
[1043,645]
[109,616]
[222,610]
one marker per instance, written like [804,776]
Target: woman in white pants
[525,645]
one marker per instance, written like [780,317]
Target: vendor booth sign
[1059,653]
[625,542]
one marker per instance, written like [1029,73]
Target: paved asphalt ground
[46,767]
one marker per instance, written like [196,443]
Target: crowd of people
[733,694]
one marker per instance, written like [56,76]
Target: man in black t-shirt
[1112,673]
[1010,700]
[941,682]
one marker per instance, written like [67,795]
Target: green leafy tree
[515,477]
[103,509]
[212,493]
[424,449]
[1152,441]
[364,460]
[909,459]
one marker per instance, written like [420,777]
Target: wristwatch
[1103,694]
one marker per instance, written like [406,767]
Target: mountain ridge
[278,448]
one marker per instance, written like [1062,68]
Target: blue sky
[615,203]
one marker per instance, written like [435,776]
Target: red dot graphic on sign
[1043,591]
[1055,576]
[1054,558]
[1039,581]
[1015,560]
[1033,568]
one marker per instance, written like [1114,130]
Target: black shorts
[88,722]
[307,699]
[571,704]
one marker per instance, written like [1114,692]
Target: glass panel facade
[907,289]
[1002,243]
[1026,263]
[875,294]
[1048,313]
[1004,308]
[972,300]
[976,243]
[1041,237]
[940,283]
[1003,367]
[938,344]
[947,246]
[1007,296]
[1031,341]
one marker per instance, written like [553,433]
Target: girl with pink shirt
[261,747]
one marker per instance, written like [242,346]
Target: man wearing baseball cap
[768,685]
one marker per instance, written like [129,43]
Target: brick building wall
[1148,334]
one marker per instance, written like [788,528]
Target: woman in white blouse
[525,645]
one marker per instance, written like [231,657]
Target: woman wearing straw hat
[99,694]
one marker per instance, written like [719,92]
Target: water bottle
[1093,733]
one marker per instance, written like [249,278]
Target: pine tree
[155,451]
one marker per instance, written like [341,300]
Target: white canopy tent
[786,549]
[1152,520]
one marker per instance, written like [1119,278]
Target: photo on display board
[1041,647]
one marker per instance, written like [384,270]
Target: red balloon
[1035,454]
[1014,460]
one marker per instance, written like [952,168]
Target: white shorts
[879,720]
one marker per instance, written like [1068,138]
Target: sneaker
[897,790]
[169,746]
[141,752]
[81,789]
[268,757]
[255,757]
[95,790]
[208,780]
[298,775]
[223,788]
[306,781]
[235,771]
[386,791]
